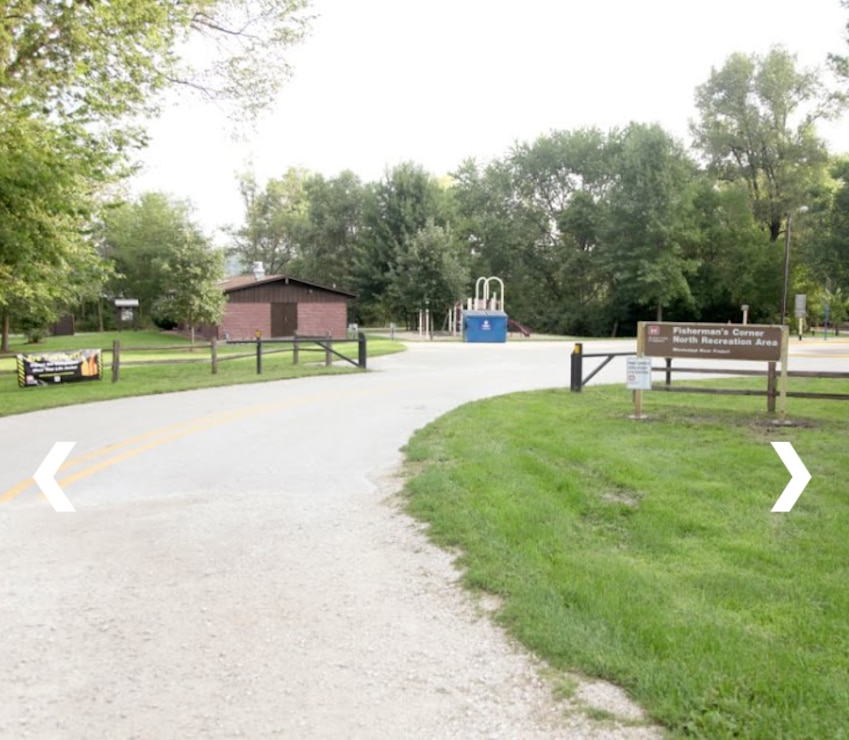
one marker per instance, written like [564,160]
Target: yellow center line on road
[206,423]
[73,462]
[173,432]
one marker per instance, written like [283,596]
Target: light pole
[801,209]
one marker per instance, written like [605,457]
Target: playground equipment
[425,323]
[484,319]
[482,300]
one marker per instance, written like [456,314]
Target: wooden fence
[578,380]
[210,353]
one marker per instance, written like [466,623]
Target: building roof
[240,282]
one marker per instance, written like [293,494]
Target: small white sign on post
[639,373]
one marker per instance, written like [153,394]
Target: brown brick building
[281,306]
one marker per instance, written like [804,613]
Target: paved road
[233,568]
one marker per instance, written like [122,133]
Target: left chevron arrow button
[45,476]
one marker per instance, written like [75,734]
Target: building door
[284,319]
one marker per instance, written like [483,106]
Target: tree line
[590,230]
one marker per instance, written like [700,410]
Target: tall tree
[395,210]
[74,75]
[756,125]
[96,60]
[533,218]
[839,63]
[482,196]
[333,223]
[275,221]
[191,273]
[826,252]
[431,270]
[137,237]
[736,267]
[648,230]
[561,184]
[46,261]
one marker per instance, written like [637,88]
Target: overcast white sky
[384,81]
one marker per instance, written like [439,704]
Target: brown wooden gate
[284,319]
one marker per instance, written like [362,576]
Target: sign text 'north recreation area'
[713,341]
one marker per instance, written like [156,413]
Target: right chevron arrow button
[799,477]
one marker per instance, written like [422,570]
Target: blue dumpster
[485,326]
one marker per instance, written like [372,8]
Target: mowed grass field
[646,553]
[193,371]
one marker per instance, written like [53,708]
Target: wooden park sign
[693,341]
[713,341]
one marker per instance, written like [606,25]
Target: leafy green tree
[839,63]
[736,267]
[42,291]
[191,275]
[73,76]
[533,218]
[87,61]
[821,293]
[162,258]
[243,44]
[334,222]
[826,253]
[501,234]
[837,301]
[648,231]
[561,185]
[137,238]
[46,261]
[276,222]
[756,125]
[488,221]
[431,271]
[394,210]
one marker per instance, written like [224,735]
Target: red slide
[513,325]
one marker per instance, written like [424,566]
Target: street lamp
[801,209]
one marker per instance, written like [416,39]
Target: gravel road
[238,567]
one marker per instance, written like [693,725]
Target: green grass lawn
[145,379]
[646,553]
[93,340]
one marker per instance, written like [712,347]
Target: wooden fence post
[214,354]
[295,350]
[770,388]
[116,360]
[328,357]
